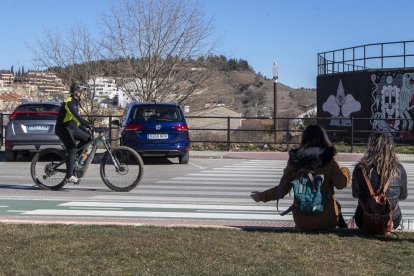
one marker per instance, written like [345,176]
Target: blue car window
[155,113]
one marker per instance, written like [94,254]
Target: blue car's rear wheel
[184,159]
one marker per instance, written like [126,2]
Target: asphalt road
[208,191]
[15,180]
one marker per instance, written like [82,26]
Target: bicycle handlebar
[100,129]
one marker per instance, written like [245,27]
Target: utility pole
[275,79]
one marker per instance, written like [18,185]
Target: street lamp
[275,78]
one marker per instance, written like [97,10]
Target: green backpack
[308,199]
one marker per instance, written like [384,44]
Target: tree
[156,49]
[12,70]
[73,56]
[156,46]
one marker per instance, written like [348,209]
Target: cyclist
[71,127]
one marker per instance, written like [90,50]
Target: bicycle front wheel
[48,169]
[127,176]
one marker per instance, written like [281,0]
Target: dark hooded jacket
[321,161]
[397,190]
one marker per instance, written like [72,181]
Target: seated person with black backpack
[378,180]
[314,158]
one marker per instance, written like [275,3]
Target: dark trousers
[69,135]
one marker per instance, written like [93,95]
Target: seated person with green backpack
[312,172]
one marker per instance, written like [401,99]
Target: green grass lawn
[120,250]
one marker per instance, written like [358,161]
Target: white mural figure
[381,121]
[406,95]
[390,98]
[341,107]
[380,124]
[376,96]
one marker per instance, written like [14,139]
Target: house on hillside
[104,88]
[27,91]
[258,124]
[6,77]
[49,85]
[9,101]
[310,113]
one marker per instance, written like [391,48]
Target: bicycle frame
[80,170]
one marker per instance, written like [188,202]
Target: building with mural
[362,91]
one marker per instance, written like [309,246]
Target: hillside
[235,84]
[251,95]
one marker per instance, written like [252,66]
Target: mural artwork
[392,103]
[341,107]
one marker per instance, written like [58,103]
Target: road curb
[275,226]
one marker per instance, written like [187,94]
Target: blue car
[156,129]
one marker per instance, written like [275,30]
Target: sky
[262,32]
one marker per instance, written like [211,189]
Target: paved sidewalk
[347,157]
[344,157]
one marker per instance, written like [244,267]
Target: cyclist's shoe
[73,179]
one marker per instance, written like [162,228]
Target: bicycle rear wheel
[131,169]
[48,169]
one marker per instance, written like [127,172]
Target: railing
[234,132]
[398,54]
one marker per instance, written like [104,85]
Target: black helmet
[76,87]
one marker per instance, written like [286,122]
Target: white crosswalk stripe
[219,193]
[236,181]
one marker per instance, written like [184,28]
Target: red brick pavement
[345,157]
[284,156]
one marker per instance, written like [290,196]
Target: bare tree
[73,56]
[158,48]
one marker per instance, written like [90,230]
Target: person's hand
[88,129]
[255,196]
[347,174]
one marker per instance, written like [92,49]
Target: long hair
[315,136]
[380,155]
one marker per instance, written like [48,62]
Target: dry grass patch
[114,250]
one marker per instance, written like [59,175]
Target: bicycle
[121,168]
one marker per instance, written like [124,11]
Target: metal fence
[235,132]
[399,54]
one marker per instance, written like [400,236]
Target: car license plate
[38,127]
[157,136]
